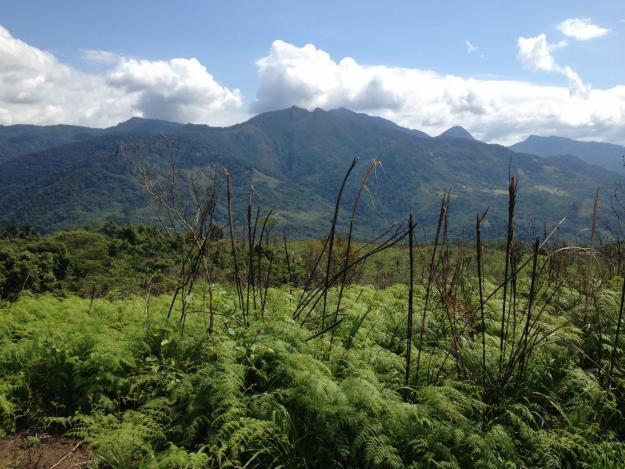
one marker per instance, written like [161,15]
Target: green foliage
[106,259]
[112,370]
[143,395]
[295,159]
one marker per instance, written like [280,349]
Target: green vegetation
[258,391]
[109,260]
[202,344]
[551,190]
[296,159]
[119,375]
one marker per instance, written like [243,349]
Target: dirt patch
[43,451]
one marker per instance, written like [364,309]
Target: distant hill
[606,155]
[296,160]
[23,139]
[143,126]
[457,132]
[18,140]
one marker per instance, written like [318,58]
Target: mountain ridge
[607,155]
[296,159]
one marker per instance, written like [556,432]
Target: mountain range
[606,155]
[58,176]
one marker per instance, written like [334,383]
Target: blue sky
[392,44]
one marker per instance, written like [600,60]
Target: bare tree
[187,199]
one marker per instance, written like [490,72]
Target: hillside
[606,155]
[19,140]
[296,160]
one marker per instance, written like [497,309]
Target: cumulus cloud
[495,110]
[36,88]
[535,54]
[180,90]
[581,29]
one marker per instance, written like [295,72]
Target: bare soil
[43,451]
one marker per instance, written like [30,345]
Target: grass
[551,190]
[495,191]
[258,177]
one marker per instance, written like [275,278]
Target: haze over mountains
[606,155]
[59,176]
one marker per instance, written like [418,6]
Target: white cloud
[179,90]
[471,48]
[581,29]
[535,54]
[36,88]
[495,110]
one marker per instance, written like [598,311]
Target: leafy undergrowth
[123,378]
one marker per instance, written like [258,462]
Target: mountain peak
[142,125]
[457,132]
[297,110]
[130,123]
[296,159]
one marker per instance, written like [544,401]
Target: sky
[501,69]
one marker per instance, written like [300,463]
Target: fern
[145,395]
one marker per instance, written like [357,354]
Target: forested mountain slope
[296,160]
